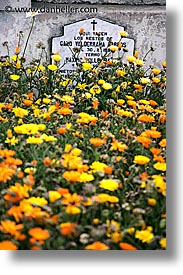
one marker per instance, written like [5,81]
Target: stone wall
[144,20]
[124,2]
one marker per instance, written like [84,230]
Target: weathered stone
[92,44]
[147,25]
[124,2]
[14,4]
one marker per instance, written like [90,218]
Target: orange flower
[6,172]
[67,229]
[34,162]
[47,161]
[27,102]
[17,50]
[162,119]
[162,143]
[109,62]
[144,141]
[57,105]
[155,151]
[127,246]
[144,176]
[64,111]
[31,95]
[62,131]
[17,192]
[39,234]
[95,104]
[97,141]
[146,118]
[153,133]
[153,103]
[108,170]
[159,159]
[8,106]
[63,191]
[12,228]
[97,246]
[72,176]
[138,87]
[7,153]
[13,162]
[81,31]
[7,245]
[29,180]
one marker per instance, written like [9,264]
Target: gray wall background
[144,20]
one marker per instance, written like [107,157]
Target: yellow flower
[72,210]
[9,133]
[162,242]
[123,33]
[160,184]
[120,72]
[124,113]
[37,201]
[81,86]
[71,176]
[144,101]
[107,86]
[95,90]
[155,80]
[109,184]
[18,65]
[19,112]
[84,177]
[144,80]
[106,198]
[151,201]
[160,166]
[156,71]
[163,142]
[96,221]
[101,81]
[46,100]
[98,166]
[113,48]
[67,99]
[14,77]
[12,140]
[68,148]
[164,64]
[54,195]
[131,59]
[87,66]
[129,97]
[29,170]
[34,140]
[41,68]
[146,236]
[141,160]
[52,67]
[139,62]
[48,138]
[120,102]
[56,57]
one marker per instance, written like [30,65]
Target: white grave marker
[91,47]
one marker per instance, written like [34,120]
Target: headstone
[91,42]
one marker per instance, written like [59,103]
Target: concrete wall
[144,20]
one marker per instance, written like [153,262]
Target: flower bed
[82,158]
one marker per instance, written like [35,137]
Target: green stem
[33,19]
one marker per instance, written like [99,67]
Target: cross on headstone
[94,23]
